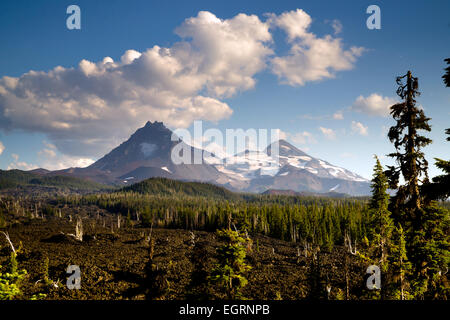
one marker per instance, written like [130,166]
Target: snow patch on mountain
[335,187]
[250,164]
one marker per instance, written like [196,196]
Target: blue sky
[414,36]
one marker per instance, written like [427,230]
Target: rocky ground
[112,261]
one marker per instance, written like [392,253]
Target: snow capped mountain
[147,153]
[249,164]
[281,166]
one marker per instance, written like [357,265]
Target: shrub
[229,271]
[11,279]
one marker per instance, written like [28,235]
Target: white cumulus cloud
[374,105]
[21,165]
[359,128]
[328,133]
[60,162]
[50,159]
[2,147]
[304,137]
[338,115]
[337,26]
[47,152]
[311,58]
[88,109]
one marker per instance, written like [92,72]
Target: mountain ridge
[147,153]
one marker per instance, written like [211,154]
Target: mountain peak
[285,149]
[152,130]
[148,153]
[149,146]
[149,124]
[283,142]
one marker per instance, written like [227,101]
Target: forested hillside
[18,178]
[163,186]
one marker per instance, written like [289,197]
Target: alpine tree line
[323,222]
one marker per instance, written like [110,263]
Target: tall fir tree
[424,223]
[408,142]
[400,267]
[229,272]
[381,222]
[380,225]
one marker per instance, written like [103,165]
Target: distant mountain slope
[291,169]
[18,178]
[143,173]
[305,194]
[302,180]
[163,186]
[148,154]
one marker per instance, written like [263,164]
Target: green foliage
[381,224]
[400,267]
[429,251]
[11,279]
[405,135]
[442,182]
[439,189]
[12,266]
[38,296]
[158,186]
[18,178]
[320,221]
[10,284]
[425,224]
[229,272]
[340,295]
[446,76]
[45,276]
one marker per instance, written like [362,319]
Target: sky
[312,69]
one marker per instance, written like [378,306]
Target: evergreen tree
[429,253]
[400,267]
[229,272]
[439,189]
[381,222]
[411,163]
[424,223]
[446,76]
